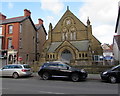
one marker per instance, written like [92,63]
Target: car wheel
[15,75]
[45,76]
[75,77]
[112,79]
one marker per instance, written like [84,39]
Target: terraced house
[71,41]
[19,38]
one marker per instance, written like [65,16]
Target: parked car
[16,70]
[112,75]
[48,70]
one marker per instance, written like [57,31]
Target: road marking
[50,92]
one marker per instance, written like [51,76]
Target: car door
[63,70]
[1,72]
[116,72]
[119,73]
[53,69]
[5,70]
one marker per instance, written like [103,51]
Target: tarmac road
[34,85]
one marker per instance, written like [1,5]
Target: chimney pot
[27,12]
[2,17]
[40,21]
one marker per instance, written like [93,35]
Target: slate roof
[80,45]
[13,20]
[53,46]
[38,26]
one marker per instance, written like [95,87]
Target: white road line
[50,92]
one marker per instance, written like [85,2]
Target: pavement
[90,76]
[94,76]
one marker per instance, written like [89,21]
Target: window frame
[1,30]
[10,31]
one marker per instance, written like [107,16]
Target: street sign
[20,59]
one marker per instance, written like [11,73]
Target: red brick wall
[14,35]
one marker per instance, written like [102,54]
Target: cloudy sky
[102,13]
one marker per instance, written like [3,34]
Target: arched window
[79,55]
[82,54]
[71,36]
[74,35]
[66,36]
[47,56]
[50,56]
[63,36]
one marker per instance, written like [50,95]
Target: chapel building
[71,41]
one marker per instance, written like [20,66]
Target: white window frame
[10,29]
[0,30]
[9,43]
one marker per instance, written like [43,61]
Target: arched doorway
[66,56]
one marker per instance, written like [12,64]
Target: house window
[20,43]
[0,30]
[9,43]
[20,28]
[10,29]
[37,37]
[0,43]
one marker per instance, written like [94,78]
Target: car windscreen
[26,66]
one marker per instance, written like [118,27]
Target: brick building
[19,36]
[71,41]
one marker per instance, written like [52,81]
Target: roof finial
[67,7]
[88,21]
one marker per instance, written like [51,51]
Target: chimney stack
[40,21]
[2,17]
[27,12]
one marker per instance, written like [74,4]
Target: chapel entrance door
[66,56]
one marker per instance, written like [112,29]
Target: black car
[112,75]
[48,70]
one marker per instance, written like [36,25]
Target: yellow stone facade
[70,41]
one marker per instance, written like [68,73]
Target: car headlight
[104,73]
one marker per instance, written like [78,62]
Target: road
[34,85]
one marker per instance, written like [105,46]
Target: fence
[95,68]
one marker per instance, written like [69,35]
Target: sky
[102,13]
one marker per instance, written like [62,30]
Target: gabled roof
[80,45]
[65,14]
[13,20]
[17,19]
[38,26]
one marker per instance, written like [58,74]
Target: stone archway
[66,56]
